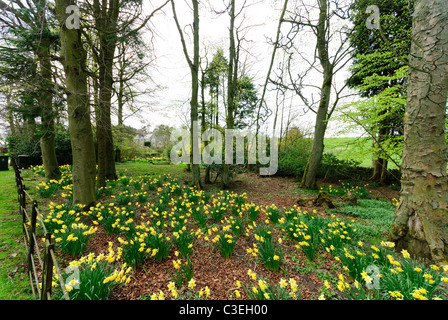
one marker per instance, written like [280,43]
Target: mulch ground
[219,273]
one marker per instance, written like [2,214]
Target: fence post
[47,271]
[22,204]
[32,232]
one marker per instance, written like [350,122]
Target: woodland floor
[219,273]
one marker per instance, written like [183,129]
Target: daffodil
[237,293]
[191,283]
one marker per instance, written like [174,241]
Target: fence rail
[41,282]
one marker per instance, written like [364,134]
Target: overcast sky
[170,106]
[172,69]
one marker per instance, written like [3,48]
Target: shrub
[292,159]
[334,168]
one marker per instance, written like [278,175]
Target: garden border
[47,259]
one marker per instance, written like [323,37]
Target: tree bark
[45,98]
[106,24]
[421,218]
[83,169]
[231,86]
[309,176]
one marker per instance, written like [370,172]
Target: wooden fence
[40,273]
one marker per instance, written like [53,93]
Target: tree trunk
[421,218]
[83,169]
[231,84]
[309,176]
[45,98]
[378,163]
[196,148]
[194,105]
[9,114]
[106,23]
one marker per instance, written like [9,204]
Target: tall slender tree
[193,64]
[329,31]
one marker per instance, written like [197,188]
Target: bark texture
[309,176]
[84,164]
[421,219]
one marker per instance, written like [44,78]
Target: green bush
[292,159]
[23,145]
[335,168]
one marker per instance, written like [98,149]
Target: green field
[352,148]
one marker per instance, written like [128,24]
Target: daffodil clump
[73,238]
[358,190]
[258,288]
[267,249]
[183,270]
[225,241]
[174,293]
[308,231]
[49,188]
[59,215]
[352,290]
[273,213]
[378,275]
[93,277]
[114,219]
[253,211]
[184,241]
[146,242]
[237,223]
[46,190]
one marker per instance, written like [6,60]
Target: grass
[352,148]
[375,218]
[14,283]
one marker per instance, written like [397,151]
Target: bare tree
[323,21]
[193,64]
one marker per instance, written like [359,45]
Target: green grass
[14,283]
[131,168]
[352,148]
[348,148]
[376,217]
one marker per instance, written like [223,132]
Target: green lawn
[352,148]
[14,284]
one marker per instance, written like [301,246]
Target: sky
[172,71]
[170,106]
